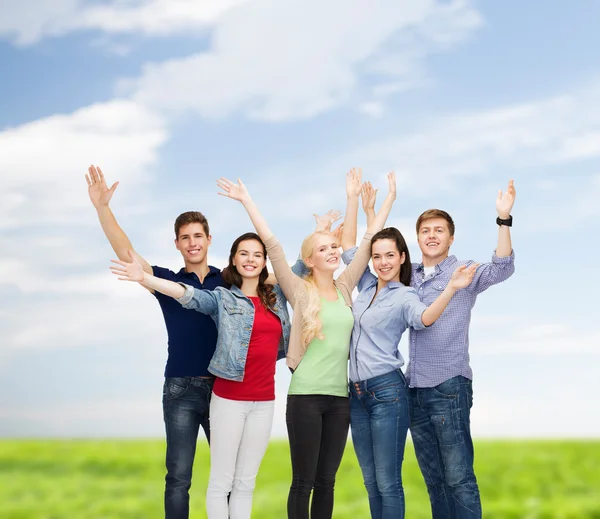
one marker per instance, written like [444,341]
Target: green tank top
[324,368]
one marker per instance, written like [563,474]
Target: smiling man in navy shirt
[192,338]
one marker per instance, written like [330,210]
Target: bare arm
[353,189]
[461,278]
[133,270]
[504,205]
[378,222]
[287,280]
[100,196]
[351,275]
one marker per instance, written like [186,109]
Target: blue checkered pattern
[441,351]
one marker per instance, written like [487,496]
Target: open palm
[325,221]
[462,276]
[353,182]
[368,196]
[98,191]
[128,270]
[235,191]
[506,200]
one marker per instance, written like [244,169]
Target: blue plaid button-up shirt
[441,351]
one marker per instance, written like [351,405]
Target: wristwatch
[507,222]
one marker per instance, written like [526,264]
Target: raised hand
[99,192]
[391,176]
[235,191]
[506,200]
[128,270]
[325,222]
[353,182]
[368,195]
[463,276]
[337,232]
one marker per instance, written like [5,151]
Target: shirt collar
[392,284]
[212,271]
[441,266]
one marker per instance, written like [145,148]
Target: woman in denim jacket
[253,332]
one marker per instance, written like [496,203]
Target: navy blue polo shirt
[192,335]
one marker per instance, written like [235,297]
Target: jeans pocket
[175,387]
[387,394]
[448,389]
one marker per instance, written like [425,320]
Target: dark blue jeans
[441,432]
[186,401]
[379,424]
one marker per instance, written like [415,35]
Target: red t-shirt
[259,374]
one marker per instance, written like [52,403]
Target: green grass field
[124,479]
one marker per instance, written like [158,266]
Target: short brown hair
[191,217]
[435,213]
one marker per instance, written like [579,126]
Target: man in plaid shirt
[438,373]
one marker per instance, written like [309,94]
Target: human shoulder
[164,273]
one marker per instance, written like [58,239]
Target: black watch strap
[507,222]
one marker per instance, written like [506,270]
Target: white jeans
[239,435]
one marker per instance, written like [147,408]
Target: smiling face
[434,240]
[249,259]
[387,260]
[324,255]
[193,243]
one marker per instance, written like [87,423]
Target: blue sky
[455,96]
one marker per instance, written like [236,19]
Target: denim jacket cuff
[187,296]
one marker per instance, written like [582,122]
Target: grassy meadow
[122,479]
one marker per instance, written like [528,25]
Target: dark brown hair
[391,233]
[435,213]
[232,276]
[191,217]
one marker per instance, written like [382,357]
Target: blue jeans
[441,432]
[379,423]
[186,402]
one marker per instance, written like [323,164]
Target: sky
[456,96]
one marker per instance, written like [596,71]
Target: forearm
[117,238]
[380,218]
[259,222]
[429,316]
[350,223]
[370,216]
[504,247]
[164,286]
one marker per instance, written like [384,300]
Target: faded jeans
[186,403]
[441,432]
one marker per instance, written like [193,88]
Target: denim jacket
[233,314]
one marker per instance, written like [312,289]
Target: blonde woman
[318,412]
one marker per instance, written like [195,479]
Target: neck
[323,280]
[200,269]
[383,283]
[250,287]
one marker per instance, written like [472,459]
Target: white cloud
[372,108]
[43,162]
[27,22]
[541,338]
[547,132]
[274,61]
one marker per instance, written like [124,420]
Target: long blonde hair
[311,324]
